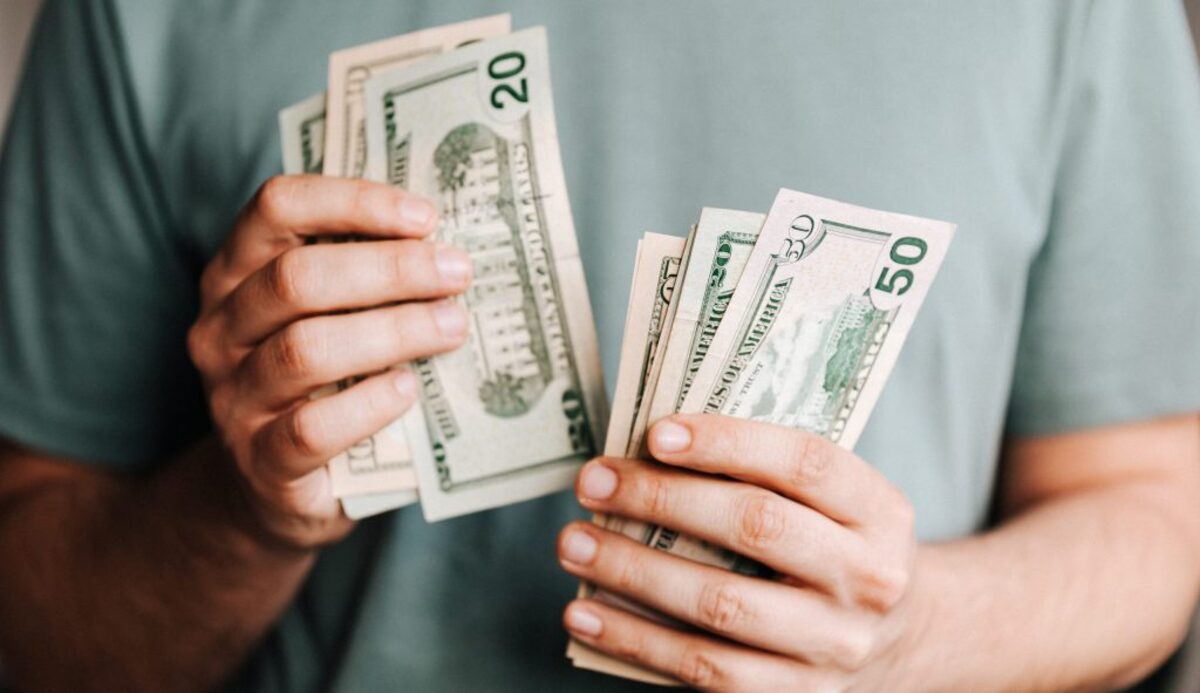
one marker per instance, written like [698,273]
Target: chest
[666,107]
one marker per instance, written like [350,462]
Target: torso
[664,108]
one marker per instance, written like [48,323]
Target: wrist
[913,662]
[257,532]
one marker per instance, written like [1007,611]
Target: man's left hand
[837,534]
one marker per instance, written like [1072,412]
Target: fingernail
[453,265]
[451,319]
[580,620]
[597,482]
[415,212]
[671,437]
[406,384]
[579,547]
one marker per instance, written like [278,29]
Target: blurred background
[16,18]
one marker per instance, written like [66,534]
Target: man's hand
[215,563]
[281,317]
[837,534]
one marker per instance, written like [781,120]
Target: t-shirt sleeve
[96,292]
[1112,319]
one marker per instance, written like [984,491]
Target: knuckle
[210,280]
[304,430]
[698,667]
[630,646]
[365,202]
[810,460]
[883,586]
[656,495]
[406,257]
[290,278]
[761,521]
[200,346]
[905,515]
[221,401]
[250,464]
[631,576]
[735,440]
[416,326]
[262,444]
[721,608]
[382,400]
[852,647]
[298,351]
[274,198]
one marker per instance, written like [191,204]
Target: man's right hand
[281,318]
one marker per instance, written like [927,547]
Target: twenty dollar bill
[302,135]
[474,131]
[378,469]
[350,68]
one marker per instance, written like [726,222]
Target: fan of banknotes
[462,115]
[795,317]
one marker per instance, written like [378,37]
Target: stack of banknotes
[794,318]
[462,115]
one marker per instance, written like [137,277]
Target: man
[165,521]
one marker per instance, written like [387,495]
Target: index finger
[289,211]
[797,464]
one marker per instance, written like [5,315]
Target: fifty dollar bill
[824,303]
[822,308]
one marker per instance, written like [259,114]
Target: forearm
[1089,591]
[167,582]
[138,584]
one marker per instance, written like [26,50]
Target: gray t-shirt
[1062,137]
